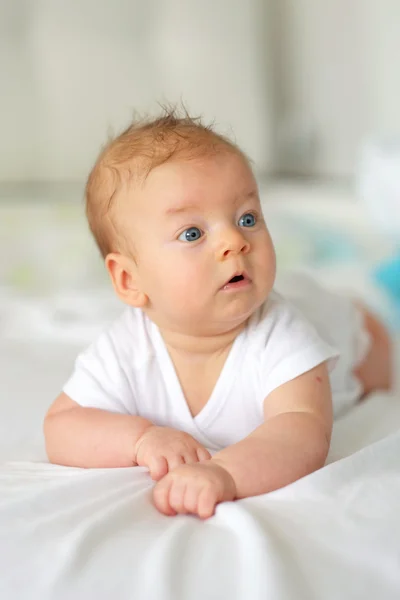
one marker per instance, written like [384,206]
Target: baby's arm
[293,442]
[90,437]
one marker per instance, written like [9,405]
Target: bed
[74,533]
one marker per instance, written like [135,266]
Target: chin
[238,316]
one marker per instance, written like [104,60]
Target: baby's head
[174,209]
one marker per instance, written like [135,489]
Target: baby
[211,379]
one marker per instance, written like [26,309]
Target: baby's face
[195,225]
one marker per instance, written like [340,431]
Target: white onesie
[128,370]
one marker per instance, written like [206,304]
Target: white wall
[338,80]
[382,53]
[72,69]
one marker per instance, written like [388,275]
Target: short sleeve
[292,346]
[99,379]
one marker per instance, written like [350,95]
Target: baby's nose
[232,242]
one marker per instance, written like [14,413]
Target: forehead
[213,179]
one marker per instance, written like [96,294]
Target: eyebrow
[176,210]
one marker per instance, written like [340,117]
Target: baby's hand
[194,489]
[163,449]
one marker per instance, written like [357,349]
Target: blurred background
[310,89]
[299,83]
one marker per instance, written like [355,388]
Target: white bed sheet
[71,533]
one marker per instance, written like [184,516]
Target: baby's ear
[125,279]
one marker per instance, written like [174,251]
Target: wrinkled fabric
[76,533]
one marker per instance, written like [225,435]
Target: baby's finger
[174,461]
[158,467]
[206,503]
[190,456]
[191,498]
[177,495]
[203,454]
[161,497]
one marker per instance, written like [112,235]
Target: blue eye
[192,234]
[247,220]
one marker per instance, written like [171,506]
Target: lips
[237,276]
[237,279]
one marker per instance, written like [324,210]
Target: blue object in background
[331,246]
[387,277]
[326,246]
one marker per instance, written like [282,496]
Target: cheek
[272,257]
[271,264]
[181,272]
[266,249]
[266,259]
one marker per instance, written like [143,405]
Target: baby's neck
[199,348]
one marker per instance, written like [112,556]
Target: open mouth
[237,282]
[236,278]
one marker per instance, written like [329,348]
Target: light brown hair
[129,157]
